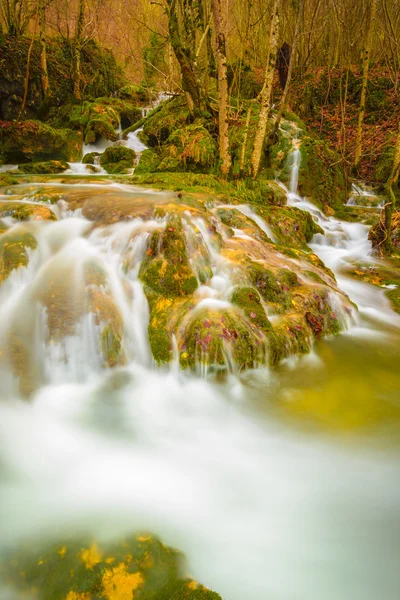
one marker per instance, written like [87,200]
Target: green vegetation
[117,159]
[138,566]
[46,168]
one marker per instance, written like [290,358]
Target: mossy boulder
[23,211]
[14,251]
[162,122]
[46,168]
[321,177]
[33,141]
[99,118]
[384,163]
[81,569]
[89,158]
[117,159]
[148,163]
[192,146]
[166,269]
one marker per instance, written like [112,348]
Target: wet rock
[117,159]
[138,566]
[14,251]
[23,211]
[25,141]
[45,168]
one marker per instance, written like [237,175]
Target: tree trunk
[266,91]
[283,103]
[366,60]
[244,143]
[43,50]
[190,82]
[219,10]
[389,206]
[77,50]
[28,65]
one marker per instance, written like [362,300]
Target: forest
[200,299]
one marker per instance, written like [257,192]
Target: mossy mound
[160,124]
[166,269]
[33,141]
[46,168]
[14,250]
[89,158]
[138,567]
[377,234]
[97,119]
[148,163]
[22,211]
[117,159]
[321,177]
[189,148]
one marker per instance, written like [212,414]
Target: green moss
[321,177]
[248,300]
[117,159]
[193,146]
[89,158]
[159,125]
[26,141]
[49,167]
[394,297]
[14,248]
[269,286]
[314,276]
[100,73]
[384,163]
[215,338]
[99,128]
[26,211]
[166,270]
[111,345]
[148,162]
[138,566]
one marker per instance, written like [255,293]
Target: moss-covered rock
[148,163]
[166,269]
[171,115]
[89,158]
[192,146]
[25,141]
[139,566]
[14,251]
[117,159]
[23,211]
[46,168]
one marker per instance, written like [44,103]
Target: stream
[278,484]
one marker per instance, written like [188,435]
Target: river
[277,484]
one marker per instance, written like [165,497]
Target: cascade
[108,443]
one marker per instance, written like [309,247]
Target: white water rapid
[262,508]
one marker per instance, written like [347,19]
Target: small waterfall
[295,157]
[342,246]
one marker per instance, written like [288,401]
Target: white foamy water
[261,509]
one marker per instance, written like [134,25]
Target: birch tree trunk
[77,50]
[43,49]
[219,11]
[389,206]
[366,60]
[266,91]
[283,103]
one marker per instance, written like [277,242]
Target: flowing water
[263,480]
